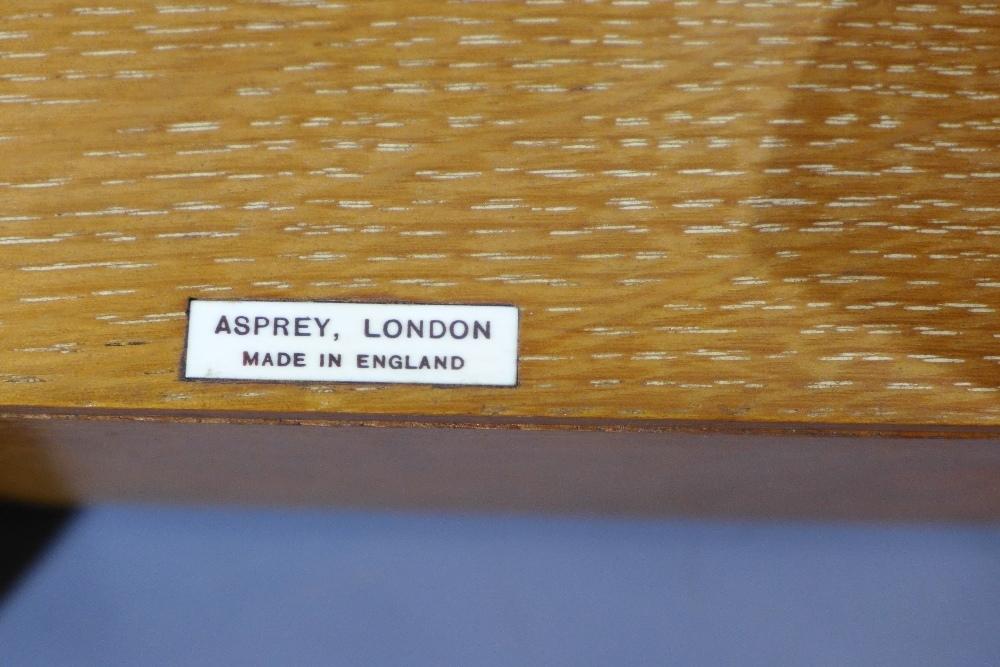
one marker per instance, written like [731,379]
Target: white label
[318,341]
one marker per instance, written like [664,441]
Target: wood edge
[583,424]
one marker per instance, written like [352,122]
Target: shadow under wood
[707,473]
[28,528]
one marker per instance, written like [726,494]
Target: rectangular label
[321,341]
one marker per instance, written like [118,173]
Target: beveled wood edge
[584,424]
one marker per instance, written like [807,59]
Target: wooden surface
[755,211]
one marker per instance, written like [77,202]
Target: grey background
[128,585]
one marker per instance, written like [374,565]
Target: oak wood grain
[766,211]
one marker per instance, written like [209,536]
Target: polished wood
[764,212]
